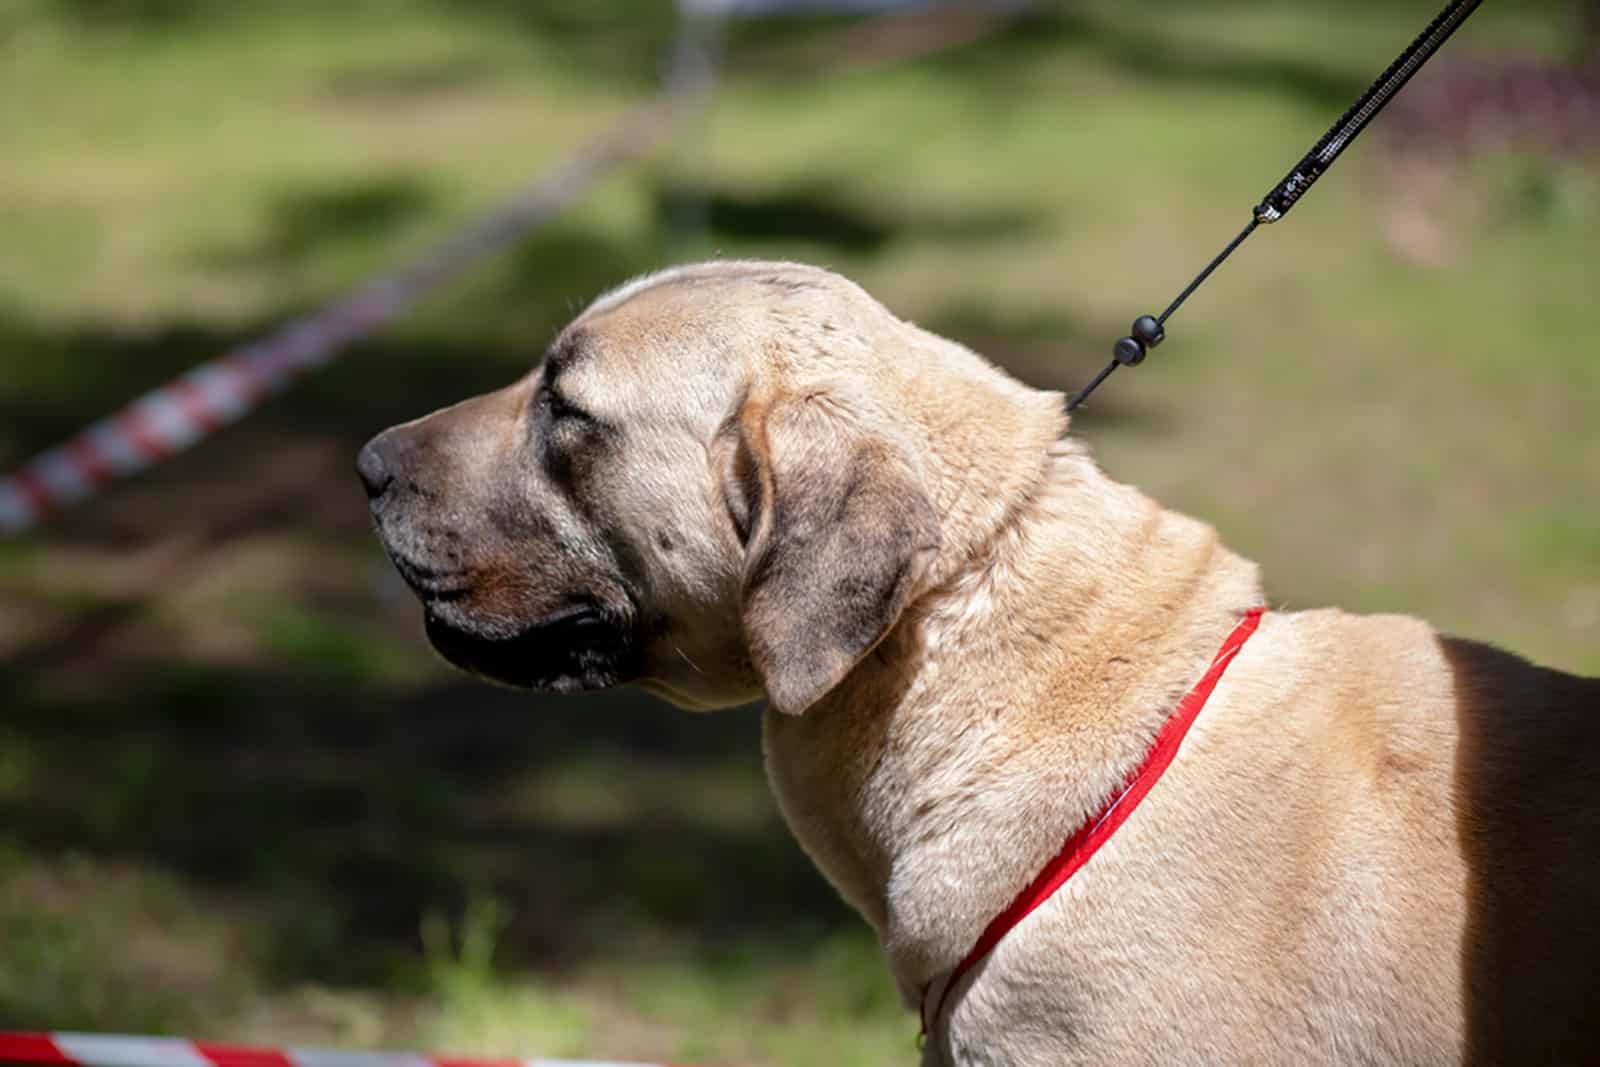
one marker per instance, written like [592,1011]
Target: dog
[742,480]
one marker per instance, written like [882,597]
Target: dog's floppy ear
[838,532]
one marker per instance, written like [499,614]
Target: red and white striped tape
[169,419]
[123,1050]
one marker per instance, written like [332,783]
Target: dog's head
[722,482]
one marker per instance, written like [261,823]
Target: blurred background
[240,798]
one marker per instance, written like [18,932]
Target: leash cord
[1150,330]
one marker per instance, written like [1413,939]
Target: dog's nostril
[373,469]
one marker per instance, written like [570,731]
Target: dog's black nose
[373,467]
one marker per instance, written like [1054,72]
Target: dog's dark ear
[838,532]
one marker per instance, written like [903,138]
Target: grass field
[238,798]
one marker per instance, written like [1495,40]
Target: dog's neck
[1005,707]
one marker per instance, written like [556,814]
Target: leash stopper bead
[1129,350]
[1147,330]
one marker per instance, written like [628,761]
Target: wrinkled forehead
[670,334]
[695,333]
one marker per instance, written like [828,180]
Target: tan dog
[740,479]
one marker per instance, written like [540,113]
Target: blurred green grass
[237,796]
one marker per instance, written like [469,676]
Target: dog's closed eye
[558,407]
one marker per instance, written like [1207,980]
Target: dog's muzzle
[576,638]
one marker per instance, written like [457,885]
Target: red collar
[1098,830]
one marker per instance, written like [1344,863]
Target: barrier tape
[168,419]
[126,1050]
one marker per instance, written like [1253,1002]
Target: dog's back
[1527,783]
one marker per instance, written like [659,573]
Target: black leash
[1149,330]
